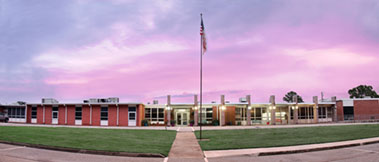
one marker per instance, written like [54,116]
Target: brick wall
[123,120]
[70,114]
[39,114]
[28,114]
[48,114]
[339,106]
[96,115]
[230,115]
[112,115]
[61,115]
[365,109]
[86,115]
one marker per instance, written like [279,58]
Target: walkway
[185,147]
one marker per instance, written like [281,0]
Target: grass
[133,141]
[274,137]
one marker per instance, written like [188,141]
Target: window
[16,112]
[78,113]
[104,113]
[55,112]
[256,114]
[154,115]
[240,113]
[34,112]
[305,113]
[207,115]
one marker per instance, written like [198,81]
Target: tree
[289,97]
[362,91]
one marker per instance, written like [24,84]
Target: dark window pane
[132,109]
[132,116]
[154,113]
[104,113]
[147,113]
[161,113]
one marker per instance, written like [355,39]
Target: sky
[145,50]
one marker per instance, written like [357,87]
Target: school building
[110,112]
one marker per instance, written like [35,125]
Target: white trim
[104,122]
[33,120]
[20,120]
[65,114]
[26,113]
[90,114]
[43,106]
[78,122]
[118,109]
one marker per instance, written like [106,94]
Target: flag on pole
[203,38]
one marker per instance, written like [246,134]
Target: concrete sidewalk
[289,149]
[194,128]
[185,147]
[278,126]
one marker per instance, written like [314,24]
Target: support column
[315,109]
[296,110]
[272,109]
[43,106]
[65,114]
[222,112]
[196,111]
[334,109]
[289,115]
[118,114]
[90,114]
[168,110]
[248,113]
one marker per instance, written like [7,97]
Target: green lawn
[274,137]
[133,141]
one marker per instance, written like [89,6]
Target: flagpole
[201,78]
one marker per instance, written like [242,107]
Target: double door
[182,118]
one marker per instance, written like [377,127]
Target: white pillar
[296,110]
[65,114]
[118,112]
[248,109]
[315,109]
[168,110]
[273,109]
[196,112]
[90,114]
[43,113]
[223,109]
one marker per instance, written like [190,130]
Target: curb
[84,151]
[260,152]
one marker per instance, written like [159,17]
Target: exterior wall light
[296,107]
[249,107]
[194,108]
[272,107]
[292,107]
[223,107]
[168,108]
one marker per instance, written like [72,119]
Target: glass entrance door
[182,118]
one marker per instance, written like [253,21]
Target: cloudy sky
[143,50]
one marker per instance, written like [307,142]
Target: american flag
[203,37]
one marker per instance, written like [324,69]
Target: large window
[305,113]
[104,113]
[16,112]
[78,113]
[34,112]
[155,115]
[240,114]
[322,112]
[207,115]
[256,115]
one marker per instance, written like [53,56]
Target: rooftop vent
[243,99]
[49,101]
